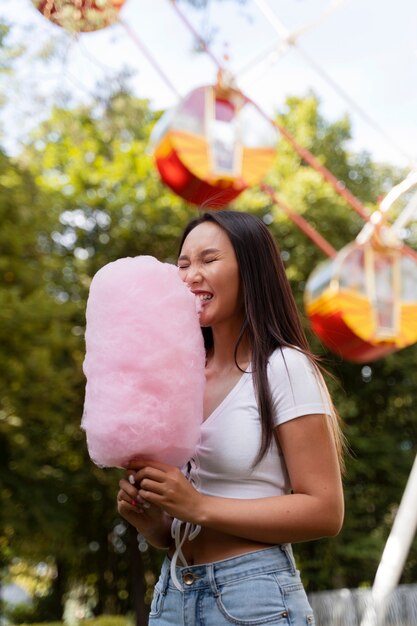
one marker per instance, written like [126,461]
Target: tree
[39,353]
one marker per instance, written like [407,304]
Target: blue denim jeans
[261,587]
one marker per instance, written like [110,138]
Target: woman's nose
[192,276]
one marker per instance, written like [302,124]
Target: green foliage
[26,623]
[38,611]
[102,620]
[38,355]
[108,620]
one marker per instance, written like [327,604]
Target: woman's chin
[204,320]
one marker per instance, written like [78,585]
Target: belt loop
[212,579]
[287,550]
[164,575]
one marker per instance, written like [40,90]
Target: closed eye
[209,259]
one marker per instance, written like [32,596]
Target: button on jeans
[261,587]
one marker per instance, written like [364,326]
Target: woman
[267,469]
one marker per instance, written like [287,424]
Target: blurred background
[80,187]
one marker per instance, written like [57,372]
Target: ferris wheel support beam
[291,40]
[398,190]
[148,55]
[409,211]
[395,553]
[339,187]
[279,50]
[275,52]
[406,215]
[302,224]
[392,233]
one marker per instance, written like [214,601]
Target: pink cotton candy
[144,365]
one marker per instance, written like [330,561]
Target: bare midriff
[212,545]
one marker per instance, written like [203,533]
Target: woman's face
[207,263]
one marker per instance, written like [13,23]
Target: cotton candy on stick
[144,365]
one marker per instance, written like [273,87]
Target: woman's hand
[149,520]
[165,486]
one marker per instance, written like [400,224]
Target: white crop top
[231,435]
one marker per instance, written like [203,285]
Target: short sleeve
[297,388]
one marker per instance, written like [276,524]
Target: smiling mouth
[205,297]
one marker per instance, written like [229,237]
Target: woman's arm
[313,510]
[153,523]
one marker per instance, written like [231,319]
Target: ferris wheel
[217,142]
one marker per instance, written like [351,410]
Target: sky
[358,56]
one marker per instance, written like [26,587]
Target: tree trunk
[138,580]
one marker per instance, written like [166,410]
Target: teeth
[205,296]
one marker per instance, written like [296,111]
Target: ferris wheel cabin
[80,16]
[213,145]
[363,303]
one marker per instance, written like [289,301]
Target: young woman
[267,469]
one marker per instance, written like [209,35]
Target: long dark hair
[271,319]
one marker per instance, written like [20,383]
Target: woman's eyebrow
[209,251]
[185,257]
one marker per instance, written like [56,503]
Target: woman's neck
[222,353]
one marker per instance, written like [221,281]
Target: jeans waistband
[275,558]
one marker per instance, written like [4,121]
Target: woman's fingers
[123,498]
[130,488]
[136,502]
[151,473]
[129,493]
[149,485]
